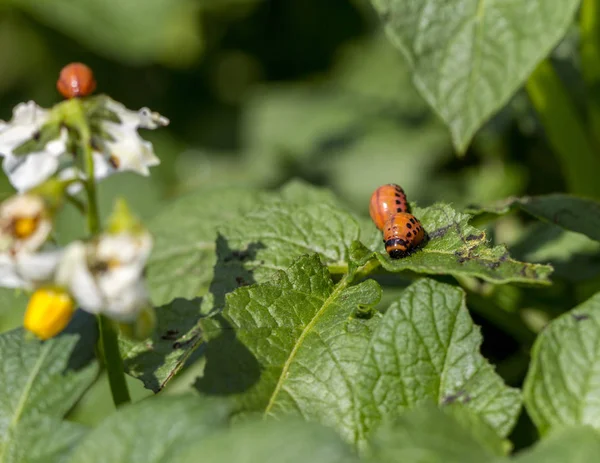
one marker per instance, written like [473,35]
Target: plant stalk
[109,348]
[590,61]
[108,345]
[565,131]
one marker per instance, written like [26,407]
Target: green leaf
[429,435]
[184,251]
[572,213]
[470,56]
[151,431]
[561,388]
[426,348]
[44,440]
[288,441]
[294,345]
[457,248]
[187,262]
[39,384]
[271,238]
[579,444]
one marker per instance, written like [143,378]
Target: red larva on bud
[76,80]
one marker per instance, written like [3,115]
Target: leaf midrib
[307,329]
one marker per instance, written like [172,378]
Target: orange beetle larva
[385,201]
[403,234]
[76,80]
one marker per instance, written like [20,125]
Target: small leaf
[470,56]
[288,441]
[49,131]
[456,248]
[293,345]
[151,431]
[572,213]
[429,435]
[39,384]
[579,444]
[156,360]
[562,388]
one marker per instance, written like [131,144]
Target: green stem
[108,344]
[590,61]
[109,347]
[369,267]
[565,131]
[93,219]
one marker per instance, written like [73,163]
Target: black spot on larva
[398,202]
[399,209]
[398,253]
[409,226]
[412,220]
[580,317]
[409,235]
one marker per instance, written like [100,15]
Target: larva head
[76,80]
[402,234]
[385,201]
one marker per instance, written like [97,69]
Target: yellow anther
[113,264]
[48,312]
[24,227]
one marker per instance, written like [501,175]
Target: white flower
[25,225]
[125,150]
[106,275]
[26,171]
[143,119]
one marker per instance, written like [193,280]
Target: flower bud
[48,312]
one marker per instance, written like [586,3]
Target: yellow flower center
[48,312]
[24,227]
[113,264]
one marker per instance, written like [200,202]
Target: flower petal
[38,267]
[73,273]
[9,278]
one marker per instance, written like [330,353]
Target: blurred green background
[262,91]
